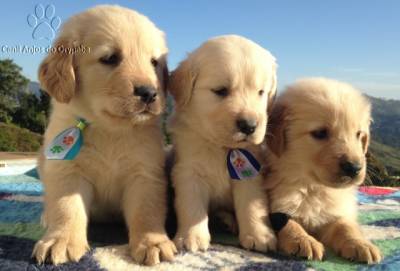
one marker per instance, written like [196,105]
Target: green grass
[14,138]
[388,155]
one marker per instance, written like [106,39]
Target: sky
[355,41]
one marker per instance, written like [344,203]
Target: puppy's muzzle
[349,168]
[147,94]
[246,126]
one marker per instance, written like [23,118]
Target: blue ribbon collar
[242,164]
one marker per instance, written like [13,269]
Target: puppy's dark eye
[320,134]
[222,92]
[261,92]
[358,134]
[154,62]
[112,60]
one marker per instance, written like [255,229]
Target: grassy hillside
[14,138]
[384,158]
[388,155]
[386,121]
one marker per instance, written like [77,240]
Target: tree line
[19,105]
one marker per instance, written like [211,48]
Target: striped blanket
[21,207]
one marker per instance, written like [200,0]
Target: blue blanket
[21,207]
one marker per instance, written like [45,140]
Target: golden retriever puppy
[109,69]
[319,135]
[222,92]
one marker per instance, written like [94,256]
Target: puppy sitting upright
[221,91]
[107,73]
[319,135]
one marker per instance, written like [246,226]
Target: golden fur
[119,169]
[204,130]
[305,177]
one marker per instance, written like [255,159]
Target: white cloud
[378,89]
[362,72]
[375,83]
[350,70]
[383,74]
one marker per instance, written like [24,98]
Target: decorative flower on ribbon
[68,140]
[239,162]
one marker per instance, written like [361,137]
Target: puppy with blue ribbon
[222,92]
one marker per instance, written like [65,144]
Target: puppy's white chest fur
[207,163]
[112,163]
[212,169]
[311,205]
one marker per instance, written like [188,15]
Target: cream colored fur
[304,177]
[120,168]
[204,130]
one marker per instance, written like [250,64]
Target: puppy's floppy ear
[365,143]
[276,136]
[272,91]
[165,75]
[181,83]
[163,72]
[366,126]
[56,72]
[366,138]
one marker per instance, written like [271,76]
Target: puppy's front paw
[360,250]
[58,249]
[303,246]
[150,248]
[260,239]
[197,238]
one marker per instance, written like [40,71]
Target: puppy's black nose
[146,94]
[246,126]
[350,169]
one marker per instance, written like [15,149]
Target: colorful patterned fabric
[21,206]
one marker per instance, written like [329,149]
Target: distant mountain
[34,87]
[386,121]
[385,144]
[388,156]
